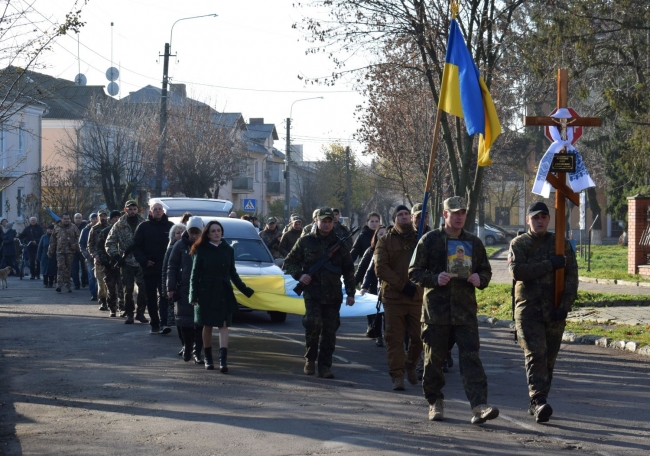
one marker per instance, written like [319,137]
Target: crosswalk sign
[250,205]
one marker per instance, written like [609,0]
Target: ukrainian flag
[464,94]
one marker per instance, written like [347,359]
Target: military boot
[540,409]
[482,413]
[412,375]
[223,360]
[437,410]
[398,384]
[129,318]
[325,373]
[209,363]
[310,367]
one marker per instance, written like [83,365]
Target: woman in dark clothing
[175,234]
[213,269]
[9,249]
[48,265]
[177,283]
[370,283]
[362,242]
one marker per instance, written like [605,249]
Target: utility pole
[287,177]
[348,208]
[163,123]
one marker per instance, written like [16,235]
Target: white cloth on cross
[579,180]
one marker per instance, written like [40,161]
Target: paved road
[73,381]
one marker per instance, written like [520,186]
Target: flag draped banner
[464,94]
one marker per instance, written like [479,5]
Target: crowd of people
[185,273]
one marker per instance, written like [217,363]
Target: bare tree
[68,190]
[204,150]
[113,149]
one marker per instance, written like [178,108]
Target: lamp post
[287,159]
[163,106]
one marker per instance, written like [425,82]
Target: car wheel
[489,240]
[278,317]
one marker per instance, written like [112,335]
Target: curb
[586,339]
[628,283]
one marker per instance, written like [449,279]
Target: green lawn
[492,250]
[608,262]
[495,301]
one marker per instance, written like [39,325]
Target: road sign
[577,131]
[250,205]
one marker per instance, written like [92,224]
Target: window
[19,201]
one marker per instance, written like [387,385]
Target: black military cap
[536,208]
[115,214]
[130,203]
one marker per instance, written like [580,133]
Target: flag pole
[432,160]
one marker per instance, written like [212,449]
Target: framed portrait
[459,258]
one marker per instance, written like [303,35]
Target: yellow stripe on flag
[450,91]
[492,127]
[269,295]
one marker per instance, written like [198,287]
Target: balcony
[275,188]
[242,185]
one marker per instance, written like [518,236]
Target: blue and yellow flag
[464,94]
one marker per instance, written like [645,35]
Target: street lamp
[287,158]
[163,105]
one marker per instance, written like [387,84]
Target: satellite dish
[80,79]
[112,74]
[113,89]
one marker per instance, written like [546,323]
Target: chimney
[178,89]
[256,120]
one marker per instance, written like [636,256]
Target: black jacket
[150,243]
[31,233]
[179,271]
[362,243]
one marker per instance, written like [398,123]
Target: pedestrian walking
[177,284]
[323,295]
[450,308]
[31,236]
[291,236]
[47,265]
[110,269]
[367,278]
[340,229]
[149,245]
[539,324]
[362,242]
[88,260]
[271,236]
[213,270]
[119,246]
[78,262]
[175,234]
[93,258]
[9,249]
[402,299]
[64,244]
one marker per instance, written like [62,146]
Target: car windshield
[250,250]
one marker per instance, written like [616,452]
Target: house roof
[256,148]
[263,130]
[278,154]
[151,94]
[229,119]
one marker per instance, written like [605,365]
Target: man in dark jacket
[291,236]
[450,308]
[341,230]
[149,246]
[31,236]
[110,271]
[323,295]
[79,262]
[271,236]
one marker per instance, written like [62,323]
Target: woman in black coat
[362,242]
[213,269]
[370,283]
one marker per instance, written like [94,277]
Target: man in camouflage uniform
[532,263]
[291,236]
[271,236]
[64,244]
[323,295]
[119,246]
[91,247]
[450,308]
[460,265]
[110,271]
[310,228]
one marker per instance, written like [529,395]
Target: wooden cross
[558,180]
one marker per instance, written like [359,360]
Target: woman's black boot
[188,343]
[223,360]
[209,364]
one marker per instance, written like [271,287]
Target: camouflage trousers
[321,321]
[64,268]
[402,319]
[541,343]
[436,342]
[101,285]
[131,276]
[111,281]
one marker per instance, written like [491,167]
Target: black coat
[363,265]
[179,272]
[362,243]
[31,235]
[150,243]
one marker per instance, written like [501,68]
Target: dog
[4,273]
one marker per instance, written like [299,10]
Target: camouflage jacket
[534,295]
[272,241]
[64,239]
[454,303]
[92,241]
[343,231]
[308,229]
[392,255]
[100,245]
[288,240]
[120,239]
[325,285]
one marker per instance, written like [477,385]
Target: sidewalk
[629,315]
